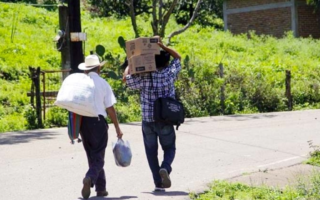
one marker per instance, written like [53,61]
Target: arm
[113,116]
[125,73]
[172,52]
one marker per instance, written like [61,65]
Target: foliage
[314,155]
[13,122]
[57,117]
[254,66]
[119,9]
[224,190]
[31,116]
[210,13]
[315,3]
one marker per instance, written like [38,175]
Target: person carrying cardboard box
[153,85]
[140,54]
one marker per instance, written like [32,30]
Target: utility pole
[74,19]
[64,45]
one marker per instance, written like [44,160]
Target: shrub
[56,117]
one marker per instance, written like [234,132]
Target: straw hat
[91,62]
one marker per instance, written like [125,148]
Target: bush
[31,116]
[56,117]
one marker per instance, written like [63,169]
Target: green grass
[254,65]
[314,155]
[223,190]
[305,187]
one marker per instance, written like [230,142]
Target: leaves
[100,50]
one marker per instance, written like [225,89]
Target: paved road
[43,165]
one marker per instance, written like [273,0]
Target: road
[43,165]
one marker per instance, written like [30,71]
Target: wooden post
[32,86]
[222,89]
[288,89]
[65,46]
[76,54]
[38,97]
[44,95]
[35,77]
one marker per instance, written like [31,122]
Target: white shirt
[103,94]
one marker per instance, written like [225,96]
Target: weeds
[314,154]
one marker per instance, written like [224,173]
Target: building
[271,17]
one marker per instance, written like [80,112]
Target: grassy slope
[261,58]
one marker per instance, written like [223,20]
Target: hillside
[254,65]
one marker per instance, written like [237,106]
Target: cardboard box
[142,63]
[142,45]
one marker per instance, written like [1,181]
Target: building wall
[272,17]
[308,22]
[232,4]
[271,22]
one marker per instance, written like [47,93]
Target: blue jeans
[167,138]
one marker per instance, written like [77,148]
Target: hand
[160,42]
[119,133]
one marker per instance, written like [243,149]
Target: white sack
[77,95]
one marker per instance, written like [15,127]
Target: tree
[315,3]
[209,11]
[107,8]
[161,12]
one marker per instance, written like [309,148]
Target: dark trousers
[167,138]
[94,134]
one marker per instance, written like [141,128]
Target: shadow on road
[26,136]
[111,198]
[168,193]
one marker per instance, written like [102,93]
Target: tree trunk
[166,18]
[133,18]
[155,22]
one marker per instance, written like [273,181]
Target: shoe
[102,193]
[159,189]
[86,187]
[166,182]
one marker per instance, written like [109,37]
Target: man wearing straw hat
[94,130]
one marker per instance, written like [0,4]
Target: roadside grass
[304,188]
[314,158]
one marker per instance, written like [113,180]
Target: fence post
[36,80]
[288,89]
[32,87]
[222,88]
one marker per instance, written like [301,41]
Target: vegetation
[254,66]
[304,187]
[224,190]
[314,158]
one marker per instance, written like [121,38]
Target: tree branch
[154,22]
[166,18]
[195,12]
[133,19]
